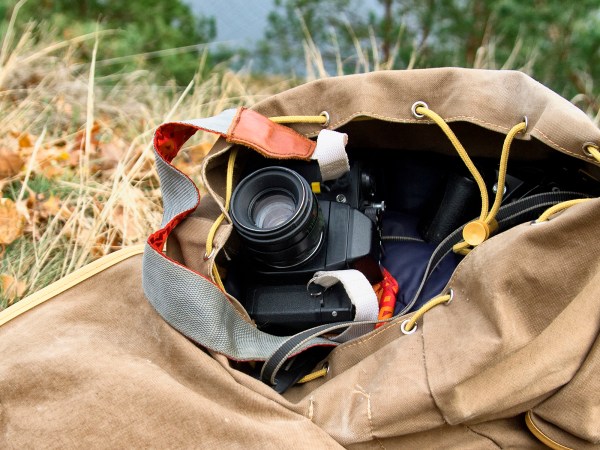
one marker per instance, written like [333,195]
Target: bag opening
[427,192]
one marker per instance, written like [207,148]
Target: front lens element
[272,209]
[277,216]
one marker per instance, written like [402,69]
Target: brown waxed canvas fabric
[96,366]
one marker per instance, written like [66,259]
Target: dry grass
[83,179]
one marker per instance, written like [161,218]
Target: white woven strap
[361,295]
[331,155]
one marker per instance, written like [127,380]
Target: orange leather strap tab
[272,140]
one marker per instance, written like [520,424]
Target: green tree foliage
[556,41]
[329,24]
[141,29]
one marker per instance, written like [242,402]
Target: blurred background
[83,84]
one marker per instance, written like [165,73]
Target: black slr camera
[288,232]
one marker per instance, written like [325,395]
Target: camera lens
[277,216]
[273,209]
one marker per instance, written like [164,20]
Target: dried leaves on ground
[12,222]
[77,174]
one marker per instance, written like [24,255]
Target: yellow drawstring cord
[560,207]
[479,230]
[407,327]
[322,119]
[593,151]
[217,277]
[519,128]
[314,375]
[462,248]
[409,324]
[215,226]
[463,155]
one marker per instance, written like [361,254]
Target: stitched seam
[366,339]
[564,149]
[483,436]
[366,395]
[303,156]
[449,119]
[398,120]
[455,274]
[435,401]
[207,185]
[457,271]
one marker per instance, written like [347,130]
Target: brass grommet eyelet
[414,107]
[327,118]
[586,152]
[404,330]
[526,120]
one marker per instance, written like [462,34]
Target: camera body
[288,232]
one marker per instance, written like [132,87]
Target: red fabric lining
[158,238]
[168,140]
[170,137]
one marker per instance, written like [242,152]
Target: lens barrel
[278,217]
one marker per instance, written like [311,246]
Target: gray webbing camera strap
[189,301]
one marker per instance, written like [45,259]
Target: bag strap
[238,126]
[187,300]
[190,301]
